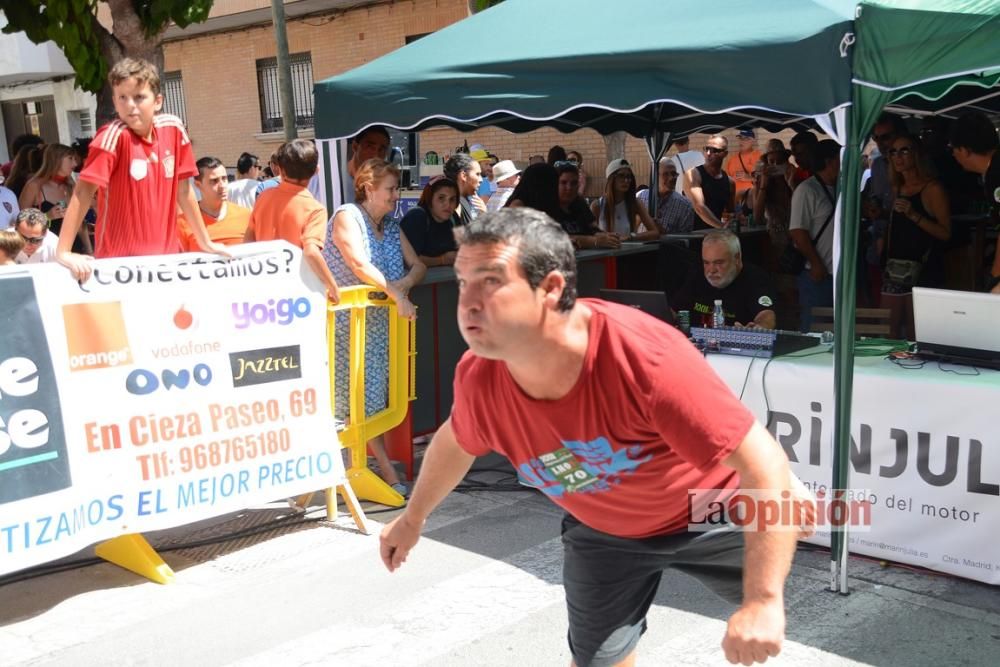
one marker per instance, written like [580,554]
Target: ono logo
[142,382]
[281,311]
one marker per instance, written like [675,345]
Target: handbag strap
[833,209]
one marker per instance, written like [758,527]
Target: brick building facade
[220,76]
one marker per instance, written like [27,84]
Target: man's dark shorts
[611,581]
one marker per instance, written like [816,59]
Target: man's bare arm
[696,194]
[79,202]
[444,466]
[756,631]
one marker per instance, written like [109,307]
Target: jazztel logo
[282,311]
[95,336]
[272,364]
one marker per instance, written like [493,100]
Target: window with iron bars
[270,94]
[173,95]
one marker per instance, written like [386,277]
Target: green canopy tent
[657,71]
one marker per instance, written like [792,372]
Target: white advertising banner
[162,391]
[926,450]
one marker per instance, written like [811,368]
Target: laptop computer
[963,327]
[649,302]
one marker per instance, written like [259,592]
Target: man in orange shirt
[226,223]
[739,166]
[289,212]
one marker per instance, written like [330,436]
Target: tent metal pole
[843,342]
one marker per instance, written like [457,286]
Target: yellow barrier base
[353,506]
[133,553]
[369,486]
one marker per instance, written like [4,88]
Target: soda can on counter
[684,321]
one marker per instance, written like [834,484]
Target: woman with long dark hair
[25,164]
[538,189]
[618,211]
[50,190]
[429,226]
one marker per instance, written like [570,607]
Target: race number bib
[567,470]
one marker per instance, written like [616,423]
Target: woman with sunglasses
[918,221]
[50,190]
[618,211]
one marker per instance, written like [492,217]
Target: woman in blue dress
[364,246]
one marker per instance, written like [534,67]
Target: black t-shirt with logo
[578,220]
[742,300]
[991,182]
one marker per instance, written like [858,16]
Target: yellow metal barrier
[402,363]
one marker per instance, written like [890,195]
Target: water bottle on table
[718,317]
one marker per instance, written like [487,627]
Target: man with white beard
[746,293]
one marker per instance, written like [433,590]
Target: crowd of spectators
[55,206]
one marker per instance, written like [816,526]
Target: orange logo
[95,336]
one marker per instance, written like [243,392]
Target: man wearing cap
[506,175]
[975,146]
[486,161]
[739,166]
[810,228]
[709,188]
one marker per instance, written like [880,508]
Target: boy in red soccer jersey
[139,165]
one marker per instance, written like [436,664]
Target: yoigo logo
[280,311]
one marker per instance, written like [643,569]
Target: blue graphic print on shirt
[596,457]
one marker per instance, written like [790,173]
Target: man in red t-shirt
[593,404]
[139,165]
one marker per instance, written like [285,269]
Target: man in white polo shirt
[39,245]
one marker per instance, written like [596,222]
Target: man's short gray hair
[32,217]
[723,236]
[719,136]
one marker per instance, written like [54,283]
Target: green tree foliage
[89,47]
[485,4]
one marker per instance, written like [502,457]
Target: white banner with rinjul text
[924,457]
